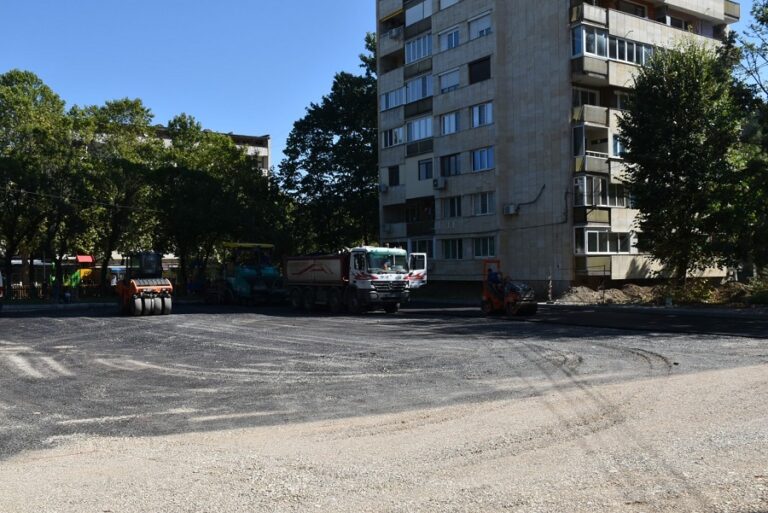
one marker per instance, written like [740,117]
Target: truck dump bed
[317,270]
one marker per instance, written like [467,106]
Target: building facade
[498,123]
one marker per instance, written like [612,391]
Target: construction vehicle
[504,296]
[356,280]
[144,290]
[248,276]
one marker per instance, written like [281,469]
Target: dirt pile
[629,294]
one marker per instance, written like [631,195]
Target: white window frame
[593,94]
[418,12]
[452,207]
[456,249]
[483,247]
[392,137]
[483,203]
[418,129]
[393,99]
[418,48]
[419,88]
[450,80]
[485,157]
[482,114]
[449,123]
[603,240]
[449,39]
[485,31]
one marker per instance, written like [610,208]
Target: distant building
[254,145]
[498,123]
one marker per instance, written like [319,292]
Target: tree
[124,154]
[31,128]
[679,132]
[330,171]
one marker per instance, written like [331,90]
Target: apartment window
[419,48]
[479,70]
[418,12]
[392,137]
[423,246]
[621,100]
[585,97]
[449,123]
[394,175]
[591,241]
[579,147]
[418,88]
[450,165]
[483,203]
[482,114]
[618,147]
[452,207]
[425,169]
[631,8]
[628,51]
[449,39]
[449,81]
[447,3]
[393,99]
[589,191]
[480,26]
[484,246]
[453,249]
[483,159]
[419,129]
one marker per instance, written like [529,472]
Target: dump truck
[248,276]
[355,280]
[144,290]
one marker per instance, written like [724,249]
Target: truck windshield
[383,263]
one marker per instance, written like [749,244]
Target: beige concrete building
[498,121]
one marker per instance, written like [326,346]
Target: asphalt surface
[70,378]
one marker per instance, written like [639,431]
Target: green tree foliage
[31,122]
[679,132]
[330,171]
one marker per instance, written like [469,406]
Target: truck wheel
[296,300]
[309,299]
[167,305]
[334,301]
[353,302]
[137,306]
[391,308]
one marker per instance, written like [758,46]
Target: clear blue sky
[242,66]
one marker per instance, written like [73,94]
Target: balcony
[591,114]
[589,13]
[391,41]
[389,9]
[420,228]
[732,11]
[394,195]
[584,215]
[592,162]
[393,230]
[419,147]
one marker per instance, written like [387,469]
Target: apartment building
[498,124]
[258,146]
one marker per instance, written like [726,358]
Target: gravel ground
[213,410]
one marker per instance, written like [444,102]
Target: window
[483,159]
[447,3]
[601,241]
[585,97]
[423,246]
[393,99]
[449,39]
[425,169]
[479,70]
[631,8]
[418,12]
[419,48]
[484,246]
[618,147]
[450,165]
[621,100]
[418,88]
[453,249]
[597,191]
[480,27]
[449,81]
[392,137]
[482,114]
[449,123]
[419,129]
[578,141]
[483,203]
[394,175]
[452,207]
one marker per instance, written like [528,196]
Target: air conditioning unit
[438,183]
[383,187]
[512,209]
